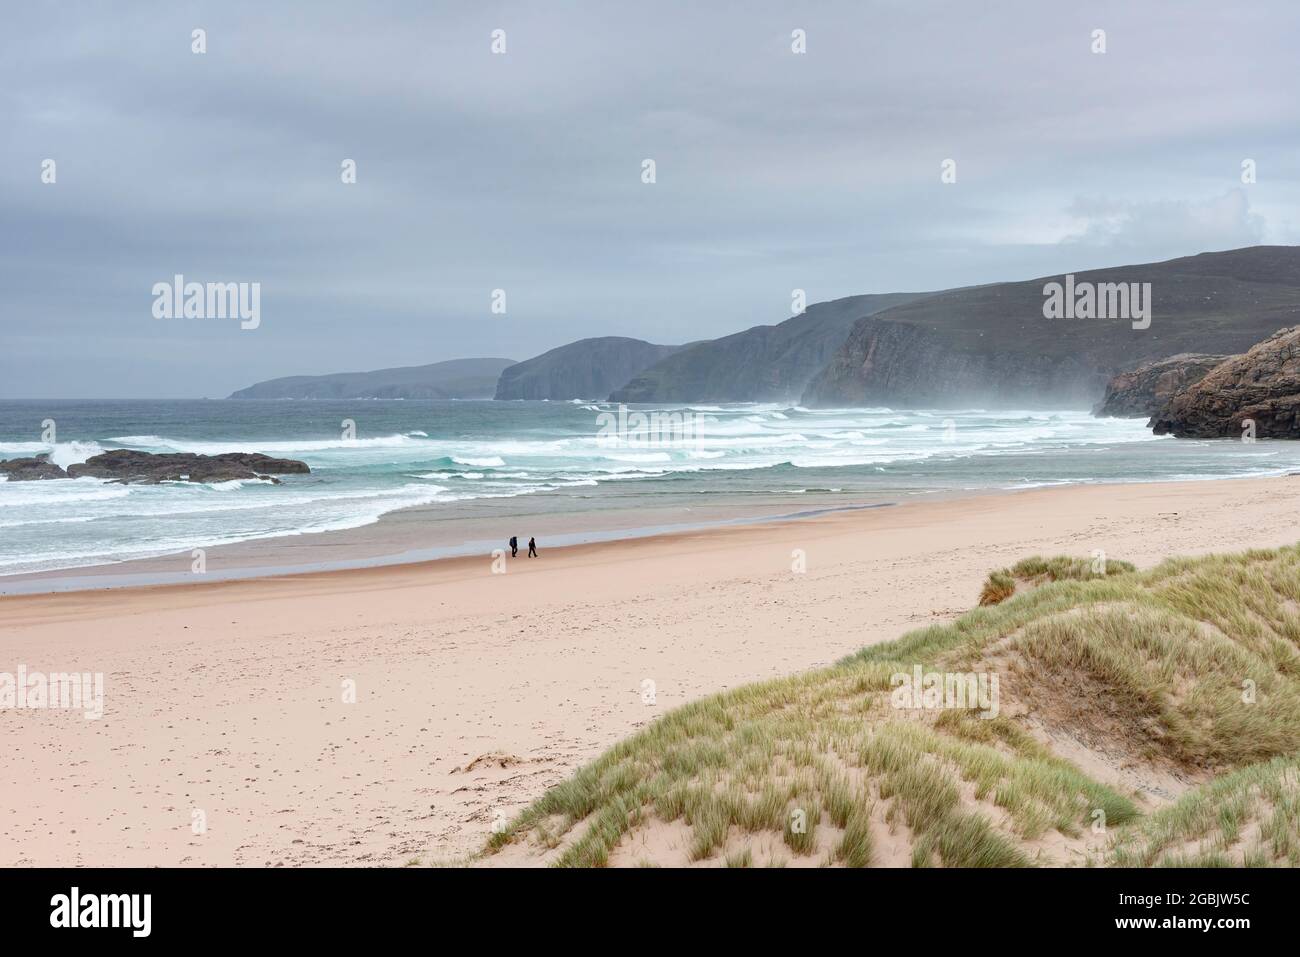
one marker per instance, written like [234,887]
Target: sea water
[485,459]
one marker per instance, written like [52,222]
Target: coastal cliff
[760,364]
[992,346]
[586,369]
[904,365]
[453,379]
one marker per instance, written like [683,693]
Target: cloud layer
[522,171]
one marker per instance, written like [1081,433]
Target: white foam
[61,454]
[355,481]
[216,447]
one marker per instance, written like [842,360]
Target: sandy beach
[474,690]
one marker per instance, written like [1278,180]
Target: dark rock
[31,470]
[125,465]
[1140,392]
[1262,386]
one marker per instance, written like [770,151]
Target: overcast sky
[523,171]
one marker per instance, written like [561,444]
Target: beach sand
[475,691]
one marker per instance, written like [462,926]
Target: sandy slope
[227,697]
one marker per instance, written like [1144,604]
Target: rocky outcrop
[454,379]
[586,369]
[127,466]
[31,470]
[761,364]
[994,345]
[1260,389]
[1139,393]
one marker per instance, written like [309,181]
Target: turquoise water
[490,459]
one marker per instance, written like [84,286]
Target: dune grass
[1034,571]
[1247,818]
[1193,665]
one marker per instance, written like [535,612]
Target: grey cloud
[775,171]
[1220,222]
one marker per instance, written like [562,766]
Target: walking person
[514,546]
[532,547]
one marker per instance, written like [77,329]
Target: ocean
[499,462]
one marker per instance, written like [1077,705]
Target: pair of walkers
[514,547]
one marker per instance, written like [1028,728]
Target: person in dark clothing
[532,547]
[514,546]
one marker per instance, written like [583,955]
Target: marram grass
[1192,666]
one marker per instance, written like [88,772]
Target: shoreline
[378,504]
[474,692]
[400,538]
[279,556]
